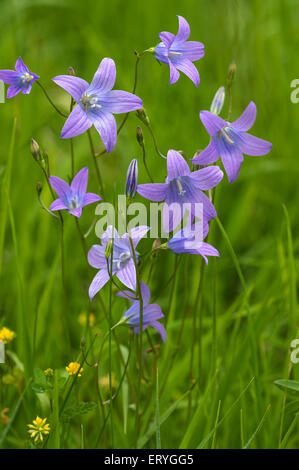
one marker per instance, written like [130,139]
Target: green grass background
[234,343]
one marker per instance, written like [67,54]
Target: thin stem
[82,238]
[50,100]
[110,344]
[229,90]
[145,164]
[154,140]
[99,177]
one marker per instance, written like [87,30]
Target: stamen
[181,191]
[26,77]
[224,132]
[90,102]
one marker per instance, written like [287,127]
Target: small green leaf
[291,385]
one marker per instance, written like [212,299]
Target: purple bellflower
[131,181]
[179,53]
[74,197]
[185,241]
[151,312]
[19,80]
[230,141]
[96,103]
[183,190]
[122,261]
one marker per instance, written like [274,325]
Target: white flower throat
[90,102]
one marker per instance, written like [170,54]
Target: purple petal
[21,67]
[167,38]
[137,233]
[10,77]
[176,165]
[60,187]
[207,178]
[251,145]
[100,279]
[174,73]
[104,77]
[172,214]
[75,86]
[109,234]
[145,293]
[27,89]
[212,122]
[118,101]
[189,69]
[232,159]
[127,275]
[57,205]
[96,257]
[13,91]
[153,191]
[105,124]
[79,183]
[76,212]
[209,155]
[160,328]
[89,198]
[77,123]
[184,30]
[192,50]
[207,250]
[209,211]
[247,118]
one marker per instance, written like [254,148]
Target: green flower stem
[50,100]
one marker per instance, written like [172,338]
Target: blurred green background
[263,39]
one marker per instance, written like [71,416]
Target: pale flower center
[225,132]
[181,190]
[90,102]
[26,77]
[123,259]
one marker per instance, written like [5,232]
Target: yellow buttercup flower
[73,368]
[38,429]
[49,372]
[6,335]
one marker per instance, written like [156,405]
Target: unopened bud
[132,176]
[139,136]
[39,188]
[83,344]
[35,150]
[156,244]
[218,101]
[49,372]
[141,114]
[108,249]
[231,74]
[71,71]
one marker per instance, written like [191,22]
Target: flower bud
[71,71]
[108,249]
[231,74]
[141,114]
[131,181]
[39,188]
[49,372]
[139,136]
[35,150]
[218,101]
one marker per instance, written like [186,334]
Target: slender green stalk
[145,164]
[97,170]
[50,100]
[158,434]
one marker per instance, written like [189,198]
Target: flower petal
[76,212]
[251,145]
[232,159]
[60,187]
[145,293]
[160,328]
[189,69]
[137,233]
[192,50]
[100,279]
[209,211]
[247,118]
[89,198]
[174,73]
[209,155]
[172,214]
[207,250]
[212,122]
[176,165]
[79,183]
[104,78]
[127,275]
[167,38]
[13,91]
[75,86]
[184,29]
[207,178]
[153,191]
[21,67]
[57,205]
[27,89]
[118,101]
[76,123]
[105,124]
[110,233]
[96,257]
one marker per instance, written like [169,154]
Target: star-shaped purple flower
[179,53]
[182,190]
[74,197]
[186,241]
[96,103]
[151,312]
[19,80]
[122,262]
[230,141]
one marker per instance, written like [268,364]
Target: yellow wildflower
[49,372]
[73,368]
[82,319]
[38,429]
[6,335]
[104,381]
